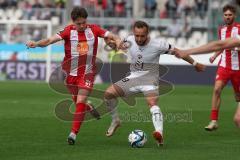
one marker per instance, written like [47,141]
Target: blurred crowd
[53,10]
[152,8]
[24,9]
[35,9]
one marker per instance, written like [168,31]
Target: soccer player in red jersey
[229,65]
[80,45]
[229,62]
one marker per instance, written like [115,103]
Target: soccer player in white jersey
[229,66]
[144,77]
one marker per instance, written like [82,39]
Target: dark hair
[78,12]
[141,24]
[229,7]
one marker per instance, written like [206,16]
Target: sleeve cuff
[59,36]
[106,34]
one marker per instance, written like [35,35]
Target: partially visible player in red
[229,66]
[80,45]
[229,62]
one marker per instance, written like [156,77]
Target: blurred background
[183,23]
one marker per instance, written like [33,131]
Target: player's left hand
[125,45]
[200,67]
[111,43]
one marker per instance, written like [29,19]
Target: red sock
[78,117]
[74,98]
[214,114]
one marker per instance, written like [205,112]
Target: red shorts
[225,75]
[74,83]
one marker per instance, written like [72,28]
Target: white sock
[157,118]
[112,108]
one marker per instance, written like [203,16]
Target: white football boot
[113,127]
[71,138]
[212,126]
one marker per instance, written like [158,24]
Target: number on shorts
[125,79]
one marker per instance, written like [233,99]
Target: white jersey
[144,75]
[146,58]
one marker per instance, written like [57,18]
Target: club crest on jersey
[89,35]
[74,35]
[139,56]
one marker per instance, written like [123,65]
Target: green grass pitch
[29,129]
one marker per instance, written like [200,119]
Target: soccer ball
[137,138]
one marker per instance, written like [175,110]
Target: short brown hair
[141,24]
[78,12]
[229,7]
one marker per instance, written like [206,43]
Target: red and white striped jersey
[80,49]
[230,59]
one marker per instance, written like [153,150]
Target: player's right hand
[31,44]
[200,67]
[212,59]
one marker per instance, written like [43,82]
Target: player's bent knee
[108,95]
[237,121]
[113,92]
[151,103]
[217,90]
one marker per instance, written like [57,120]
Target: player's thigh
[222,77]
[236,84]
[237,115]
[129,86]
[218,86]
[113,91]
[71,85]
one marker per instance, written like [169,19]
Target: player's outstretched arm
[210,47]
[198,66]
[43,42]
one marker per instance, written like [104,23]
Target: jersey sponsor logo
[82,48]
